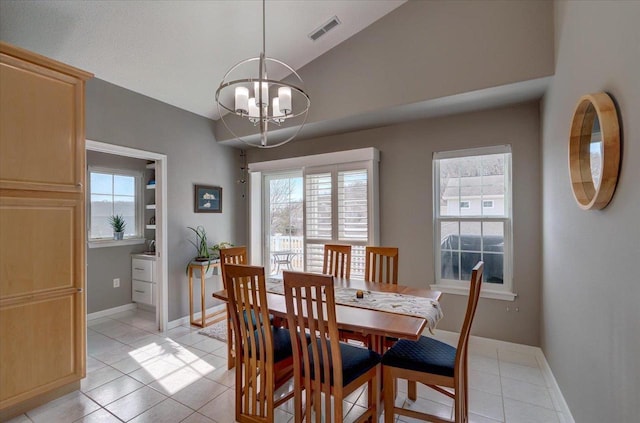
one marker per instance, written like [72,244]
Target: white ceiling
[178,51]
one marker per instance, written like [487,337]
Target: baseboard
[185,320]
[557,397]
[110,311]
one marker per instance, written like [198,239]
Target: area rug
[217,331]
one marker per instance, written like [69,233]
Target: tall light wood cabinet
[42,229]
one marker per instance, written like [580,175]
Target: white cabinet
[143,284]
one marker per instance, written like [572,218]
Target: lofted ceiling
[178,51]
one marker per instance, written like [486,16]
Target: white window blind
[337,211]
[352,205]
[319,206]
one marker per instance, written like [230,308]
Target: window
[337,211]
[114,192]
[465,232]
[299,204]
[284,221]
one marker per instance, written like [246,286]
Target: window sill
[114,243]
[484,293]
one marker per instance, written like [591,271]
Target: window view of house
[472,215]
[113,194]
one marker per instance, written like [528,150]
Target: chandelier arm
[253,144]
[281,142]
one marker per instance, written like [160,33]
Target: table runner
[390,302]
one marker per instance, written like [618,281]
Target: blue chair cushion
[253,317]
[355,362]
[425,355]
[281,343]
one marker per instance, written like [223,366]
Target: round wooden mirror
[594,151]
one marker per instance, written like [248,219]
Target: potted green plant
[202,248]
[118,224]
[215,250]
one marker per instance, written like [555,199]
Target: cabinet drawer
[142,292]
[142,270]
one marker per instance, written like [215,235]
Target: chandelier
[250,100]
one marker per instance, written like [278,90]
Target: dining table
[377,324]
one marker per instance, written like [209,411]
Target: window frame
[257,171]
[138,238]
[506,290]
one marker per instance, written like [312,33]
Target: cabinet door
[41,246]
[42,345]
[42,312]
[41,127]
[142,269]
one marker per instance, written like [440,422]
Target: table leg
[203,320]
[191,321]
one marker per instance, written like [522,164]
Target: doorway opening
[159,221]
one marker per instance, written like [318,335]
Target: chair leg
[389,394]
[374,394]
[231,359]
[337,410]
[412,388]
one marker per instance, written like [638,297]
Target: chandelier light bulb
[254,112]
[265,93]
[242,100]
[284,94]
[278,115]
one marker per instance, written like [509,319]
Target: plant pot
[202,259]
[118,235]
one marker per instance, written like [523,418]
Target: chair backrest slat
[337,260]
[381,264]
[232,255]
[253,341]
[310,303]
[472,304]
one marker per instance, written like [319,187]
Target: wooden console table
[203,267]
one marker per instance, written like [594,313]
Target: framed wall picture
[207,199]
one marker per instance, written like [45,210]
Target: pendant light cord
[263,28]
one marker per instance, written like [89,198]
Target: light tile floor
[135,374]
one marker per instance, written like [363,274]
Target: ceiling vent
[332,23]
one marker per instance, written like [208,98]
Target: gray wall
[591,288]
[118,116]
[425,50]
[105,264]
[406,203]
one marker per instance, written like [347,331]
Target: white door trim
[162,310]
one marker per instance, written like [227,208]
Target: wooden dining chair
[232,255]
[381,264]
[324,367]
[263,358]
[433,363]
[337,260]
